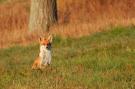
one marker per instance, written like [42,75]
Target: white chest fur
[45,55]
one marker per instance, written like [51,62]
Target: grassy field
[104,60]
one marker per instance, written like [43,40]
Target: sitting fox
[44,57]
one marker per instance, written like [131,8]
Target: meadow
[93,46]
[75,18]
[103,60]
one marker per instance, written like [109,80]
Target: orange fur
[37,64]
[44,41]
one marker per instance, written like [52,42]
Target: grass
[105,60]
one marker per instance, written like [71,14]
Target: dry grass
[94,10]
[83,29]
[76,18]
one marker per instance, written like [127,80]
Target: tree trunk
[43,14]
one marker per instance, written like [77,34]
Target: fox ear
[50,38]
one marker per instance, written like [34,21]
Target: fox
[44,57]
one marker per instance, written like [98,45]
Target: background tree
[43,14]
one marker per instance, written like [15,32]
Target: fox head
[46,41]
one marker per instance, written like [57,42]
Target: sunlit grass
[105,60]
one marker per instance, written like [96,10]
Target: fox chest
[45,55]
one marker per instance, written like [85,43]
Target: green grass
[105,60]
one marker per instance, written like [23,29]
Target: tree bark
[43,14]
